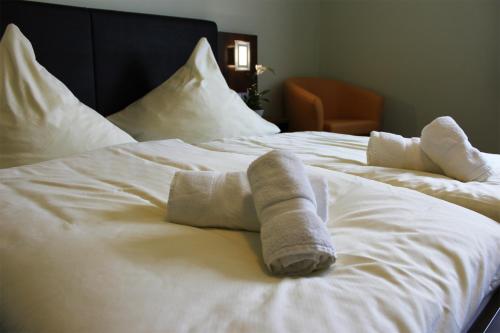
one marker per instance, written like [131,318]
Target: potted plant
[253,97]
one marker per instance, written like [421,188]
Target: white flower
[261,69]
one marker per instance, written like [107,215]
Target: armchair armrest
[305,110]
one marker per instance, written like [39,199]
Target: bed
[85,245]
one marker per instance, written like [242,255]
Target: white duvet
[85,247]
[347,153]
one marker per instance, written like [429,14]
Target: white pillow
[40,119]
[194,105]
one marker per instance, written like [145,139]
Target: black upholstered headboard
[108,59]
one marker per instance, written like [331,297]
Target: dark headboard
[108,59]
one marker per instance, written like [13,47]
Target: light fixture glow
[241,55]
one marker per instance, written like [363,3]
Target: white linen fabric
[295,241]
[347,153]
[394,151]
[85,247]
[195,105]
[40,119]
[448,146]
[194,194]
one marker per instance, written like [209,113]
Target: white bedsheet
[84,247]
[347,153]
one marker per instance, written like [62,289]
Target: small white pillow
[40,119]
[194,105]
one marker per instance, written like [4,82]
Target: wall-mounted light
[239,80]
[240,56]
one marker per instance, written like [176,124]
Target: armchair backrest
[342,100]
[324,89]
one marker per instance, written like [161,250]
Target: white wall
[287,30]
[427,57]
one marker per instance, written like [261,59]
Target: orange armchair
[315,104]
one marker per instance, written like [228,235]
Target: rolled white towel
[394,151]
[295,241]
[448,146]
[224,200]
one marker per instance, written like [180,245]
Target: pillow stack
[195,105]
[40,119]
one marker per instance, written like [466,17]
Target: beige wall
[427,57]
[286,29]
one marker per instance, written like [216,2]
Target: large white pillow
[194,105]
[40,119]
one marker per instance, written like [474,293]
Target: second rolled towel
[295,241]
[394,151]
[224,200]
[447,144]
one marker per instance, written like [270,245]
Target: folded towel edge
[296,249]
